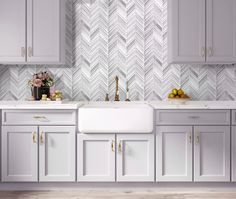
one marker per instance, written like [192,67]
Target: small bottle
[107,98]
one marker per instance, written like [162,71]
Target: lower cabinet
[211,157]
[212,153]
[233,153]
[26,147]
[19,154]
[95,157]
[174,153]
[135,158]
[106,157]
[57,153]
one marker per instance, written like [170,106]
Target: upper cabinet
[202,31]
[32,31]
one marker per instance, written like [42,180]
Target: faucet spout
[117,97]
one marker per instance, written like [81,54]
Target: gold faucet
[117,97]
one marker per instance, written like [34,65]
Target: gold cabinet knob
[34,137]
[113,146]
[120,146]
[41,137]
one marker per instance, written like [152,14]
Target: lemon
[180,92]
[171,95]
[175,91]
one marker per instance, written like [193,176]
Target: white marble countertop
[193,105]
[154,104]
[40,105]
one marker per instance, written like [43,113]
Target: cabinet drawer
[39,117]
[193,117]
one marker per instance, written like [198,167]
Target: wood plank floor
[117,194]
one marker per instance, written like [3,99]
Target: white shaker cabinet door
[174,153]
[233,153]
[186,31]
[212,153]
[221,31]
[135,158]
[96,157]
[12,31]
[57,153]
[43,31]
[19,154]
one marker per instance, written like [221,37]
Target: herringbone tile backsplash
[127,38]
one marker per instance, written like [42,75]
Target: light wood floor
[118,194]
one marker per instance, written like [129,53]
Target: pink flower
[37,82]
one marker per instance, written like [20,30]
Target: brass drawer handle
[22,51]
[34,137]
[197,139]
[194,117]
[41,138]
[120,146]
[113,146]
[190,138]
[37,117]
[30,52]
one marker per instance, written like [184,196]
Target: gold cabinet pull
[41,137]
[203,51]
[113,146]
[38,117]
[22,51]
[210,51]
[120,146]
[190,138]
[34,137]
[197,139]
[30,52]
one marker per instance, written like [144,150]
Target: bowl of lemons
[178,95]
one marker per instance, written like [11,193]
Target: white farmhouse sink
[116,118]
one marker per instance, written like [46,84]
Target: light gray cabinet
[38,145]
[212,153]
[206,132]
[174,153]
[110,157]
[32,31]
[202,31]
[57,153]
[19,154]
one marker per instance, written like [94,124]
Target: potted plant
[40,85]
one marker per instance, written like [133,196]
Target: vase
[39,91]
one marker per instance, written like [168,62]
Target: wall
[125,38]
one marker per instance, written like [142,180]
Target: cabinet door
[186,30]
[174,153]
[19,154]
[135,157]
[233,154]
[12,34]
[212,153]
[221,31]
[96,157]
[57,153]
[43,31]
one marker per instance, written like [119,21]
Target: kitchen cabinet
[57,153]
[33,31]
[135,157]
[206,132]
[12,34]
[19,154]
[105,157]
[96,157]
[174,153]
[201,37]
[36,147]
[212,153]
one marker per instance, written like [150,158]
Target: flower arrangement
[42,79]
